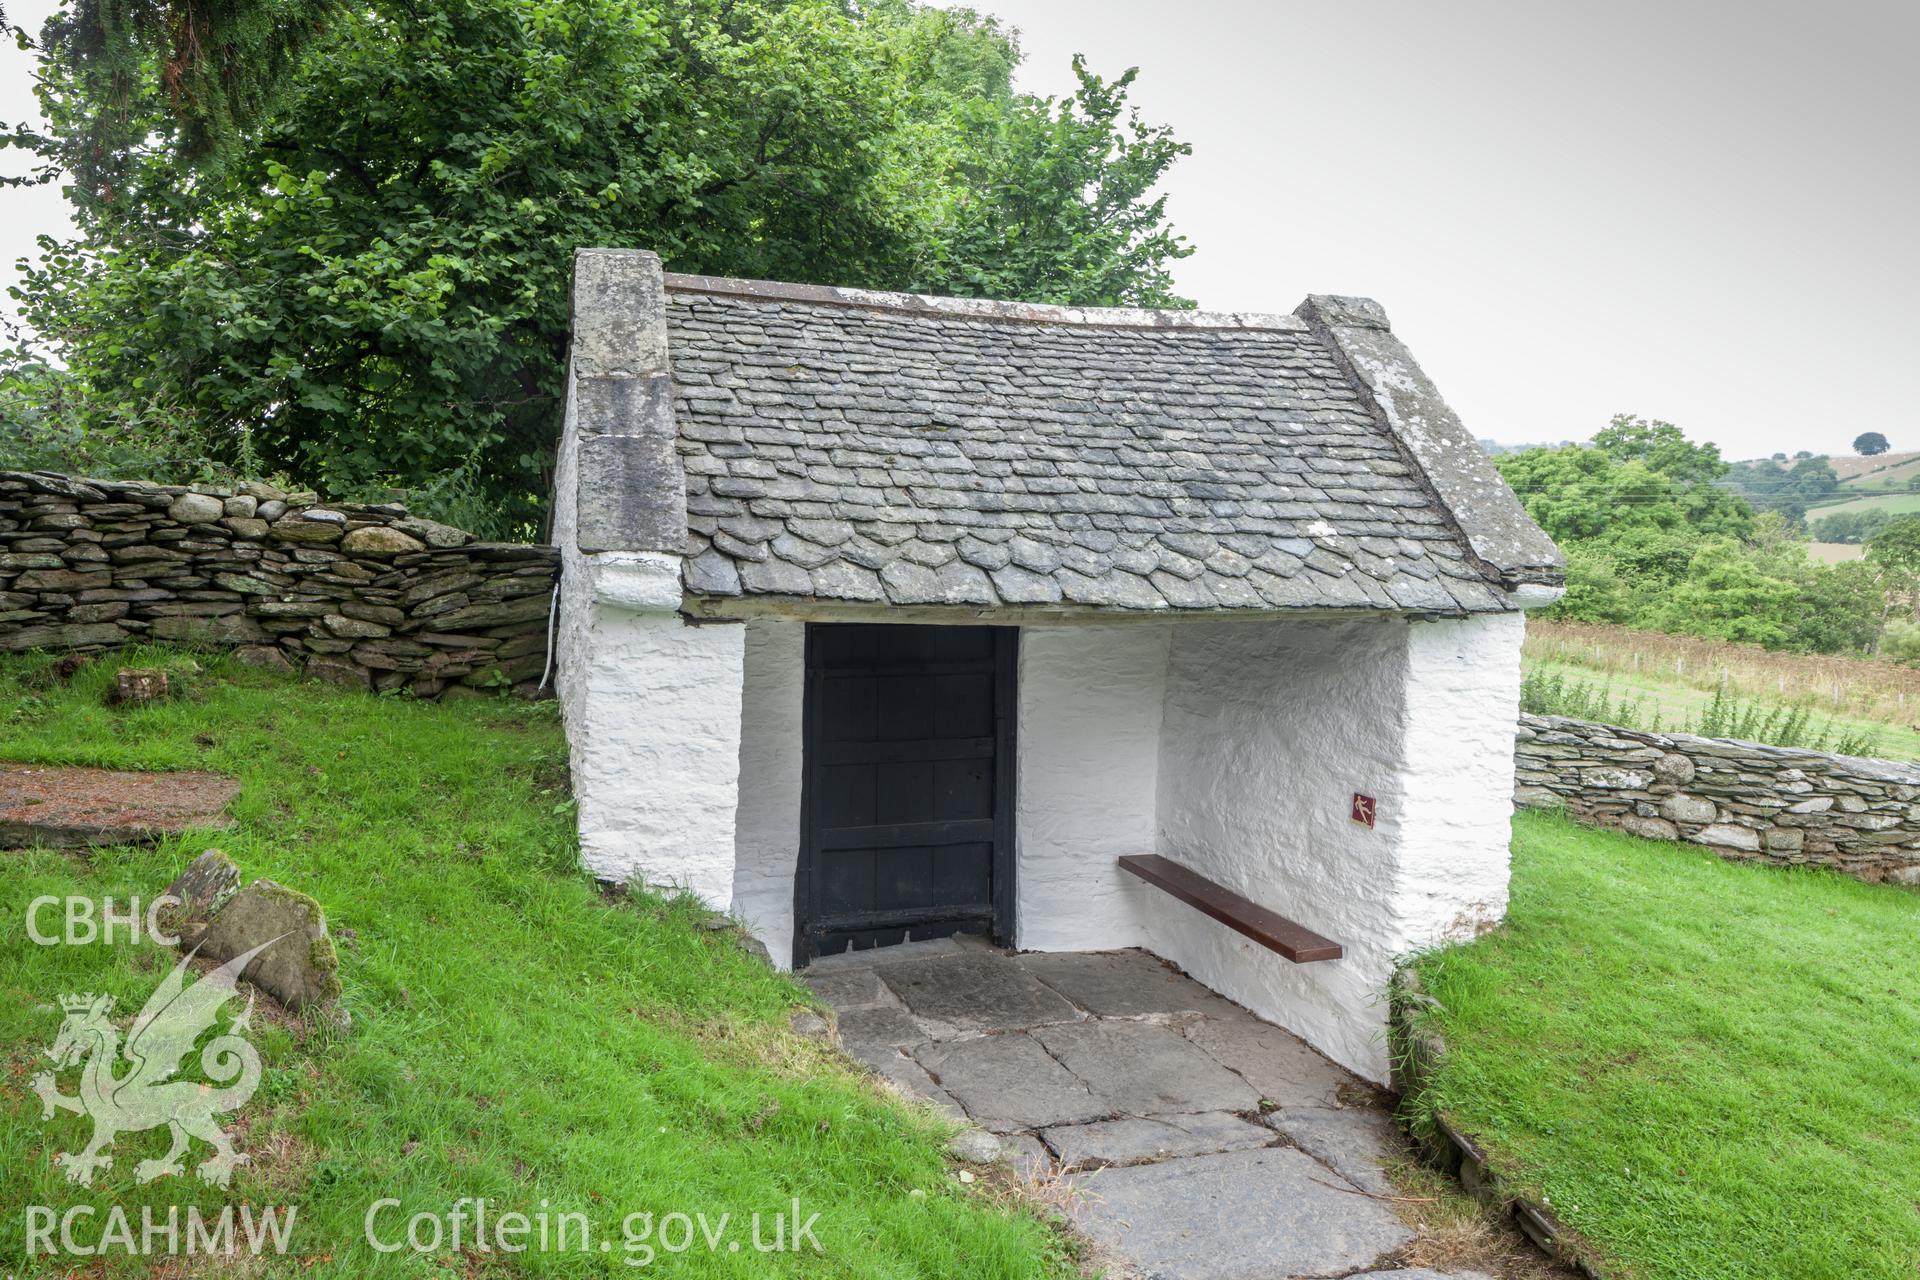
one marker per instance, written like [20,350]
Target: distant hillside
[1883,470]
[1850,505]
[1493,448]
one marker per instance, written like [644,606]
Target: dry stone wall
[1740,799]
[366,596]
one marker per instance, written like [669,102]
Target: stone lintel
[1510,548]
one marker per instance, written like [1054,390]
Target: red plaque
[1363,809]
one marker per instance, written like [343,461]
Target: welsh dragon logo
[145,1096]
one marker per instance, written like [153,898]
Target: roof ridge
[984,308]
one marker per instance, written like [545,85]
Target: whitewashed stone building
[885,616]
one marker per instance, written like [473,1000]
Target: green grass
[1903,503]
[517,1035]
[1710,1070]
[1674,707]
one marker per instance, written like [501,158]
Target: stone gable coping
[1503,539]
[632,489]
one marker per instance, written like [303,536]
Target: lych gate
[886,617]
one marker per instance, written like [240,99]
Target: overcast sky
[1703,212]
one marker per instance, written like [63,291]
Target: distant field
[1835,552]
[1675,677]
[1853,469]
[1901,504]
[1873,472]
[1893,475]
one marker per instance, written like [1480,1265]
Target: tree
[1787,490]
[1729,596]
[1637,475]
[1869,443]
[1894,554]
[1850,526]
[1662,446]
[1657,534]
[219,66]
[373,291]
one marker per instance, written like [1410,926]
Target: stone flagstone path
[1200,1143]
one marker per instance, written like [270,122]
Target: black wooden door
[907,803]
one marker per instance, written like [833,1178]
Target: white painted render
[767,834]
[1233,746]
[1455,817]
[1270,729]
[1088,742]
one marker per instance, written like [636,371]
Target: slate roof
[912,456]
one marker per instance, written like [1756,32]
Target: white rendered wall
[767,833]
[1270,728]
[651,707]
[1455,818]
[1089,751]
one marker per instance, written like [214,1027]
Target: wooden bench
[1274,932]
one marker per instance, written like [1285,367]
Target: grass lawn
[1710,1070]
[517,1035]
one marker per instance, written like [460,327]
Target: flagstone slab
[1144,1069]
[1009,1083]
[1134,1139]
[882,1026]
[850,988]
[1278,1064]
[1354,1141]
[982,991]
[1242,1215]
[910,1078]
[72,808]
[1119,984]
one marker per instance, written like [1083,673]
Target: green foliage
[1655,537]
[1779,724]
[1870,443]
[1894,554]
[1768,486]
[1545,692]
[1638,474]
[217,66]
[373,292]
[51,420]
[1852,527]
[1900,642]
